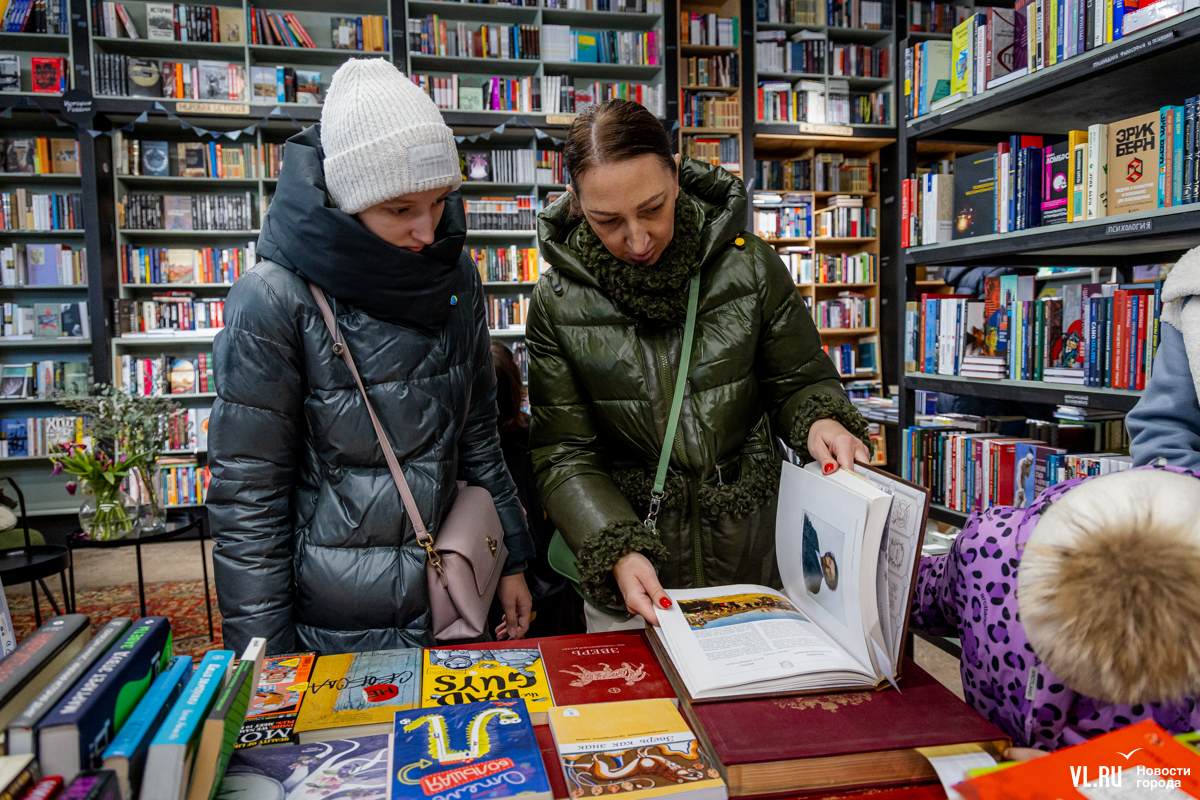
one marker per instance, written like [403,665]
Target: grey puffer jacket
[313,547]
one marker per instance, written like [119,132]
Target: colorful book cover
[126,756]
[282,683]
[453,677]
[995,319]
[975,194]
[339,768]
[602,668]
[360,689]
[479,750]
[639,748]
[76,733]
[1133,164]
[1030,479]
[1056,186]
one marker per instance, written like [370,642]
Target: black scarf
[651,293]
[306,233]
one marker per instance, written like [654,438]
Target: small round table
[197,521]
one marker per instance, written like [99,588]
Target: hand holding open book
[847,546]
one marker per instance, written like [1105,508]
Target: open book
[847,546]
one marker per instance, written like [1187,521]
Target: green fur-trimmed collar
[657,292]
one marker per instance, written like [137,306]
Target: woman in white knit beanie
[314,548]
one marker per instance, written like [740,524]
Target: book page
[736,635]
[900,546]
[819,544]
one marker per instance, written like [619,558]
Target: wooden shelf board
[846,331]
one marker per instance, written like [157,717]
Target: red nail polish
[829,468]
[665,602]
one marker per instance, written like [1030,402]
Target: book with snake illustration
[357,694]
[635,749]
[470,675]
[472,751]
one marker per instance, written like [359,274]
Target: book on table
[358,694]
[282,683]
[847,547]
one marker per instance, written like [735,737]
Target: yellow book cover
[1077,174]
[353,689]
[636,748]
[453,677]
[961,68]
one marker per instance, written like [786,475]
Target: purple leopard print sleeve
[970,593]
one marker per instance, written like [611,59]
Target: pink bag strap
[410,503]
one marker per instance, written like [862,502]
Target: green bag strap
[685,357]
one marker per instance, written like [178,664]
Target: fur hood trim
[1109,587]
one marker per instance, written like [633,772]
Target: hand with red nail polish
[832,446]
[638,582]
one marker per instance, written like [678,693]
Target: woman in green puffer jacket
[605,333]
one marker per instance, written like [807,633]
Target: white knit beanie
[383,137]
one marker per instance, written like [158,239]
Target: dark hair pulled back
[613,131]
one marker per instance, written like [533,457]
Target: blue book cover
[477,750]
[1118,16]
[586,50]
[76,733]
[1177,157]
[186,717]
[338,768]
[133,741]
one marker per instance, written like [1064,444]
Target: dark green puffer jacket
[600,386]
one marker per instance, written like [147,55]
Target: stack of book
[163,375]
[199,212]
[621,6]
[167,265]
[45,378]
[1099,335]
[853,360]
[23,210]
[783,216]
[780,101]
[803,52]
[41,156]
[507,313]
[835,172]
[845,218]
[499,166]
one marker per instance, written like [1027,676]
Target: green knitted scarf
[657,292]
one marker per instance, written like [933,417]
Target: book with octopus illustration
[357,694]
[453,676]
[481,751]
[847,547]
[635,749]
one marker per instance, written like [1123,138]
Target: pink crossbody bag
[463,566]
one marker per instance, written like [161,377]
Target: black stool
[32,565]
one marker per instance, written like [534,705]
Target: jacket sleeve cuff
[603,549]
[513,567]
[826,406]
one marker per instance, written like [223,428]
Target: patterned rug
[182,602]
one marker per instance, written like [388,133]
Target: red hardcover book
[1007,471]
[1119,340]
[49,74]
[602,668]
[1145,309]
[849,740]
[905,210]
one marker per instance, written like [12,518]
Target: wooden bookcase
[725,9]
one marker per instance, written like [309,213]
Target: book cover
[49,74]
[342,32]
[1133,164]
[963,62]
[160,21]
[214,80]
[1103,764]
[282,683]
[126,756]
[231,22]
[1031,478]
[339,768]
[637,748]
[482,750]
[1056,183]
[360,689]
[886,726]
[975,194]
[37,660]
[71,319]
[19,155]
[75,734]
[10,73]
[1001,43]
[64,157]
[220,732]
[47,320]
[453,677]
[155,161]
[145,77]
[177,212]
[20,738]
[173,749]
[191,159]
[1077,208]
[41,263]
[602,668]
[478,167]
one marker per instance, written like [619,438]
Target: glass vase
[107,513]
[151,516]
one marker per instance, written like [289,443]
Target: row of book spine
[23,210]
[147,157]
[45,379]
[183,484]
[862,14]
[495,264]
[701,109]
[504,313]
[437,37]
[177,311]
[40,436]
[166,375]
[200,212]
[848,310]
[712,71]
[502,214]
[164,266]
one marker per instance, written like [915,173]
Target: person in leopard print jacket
[1079,614]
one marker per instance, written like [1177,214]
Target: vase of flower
[151,516]
[107,512]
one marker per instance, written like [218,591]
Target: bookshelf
[1138,74]
[825,71]
[710,80]
[841,266]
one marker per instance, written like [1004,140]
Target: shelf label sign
[1075,399]
[1141,226]
[826,130]
[189,107]
[1137,48]
[560,119]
